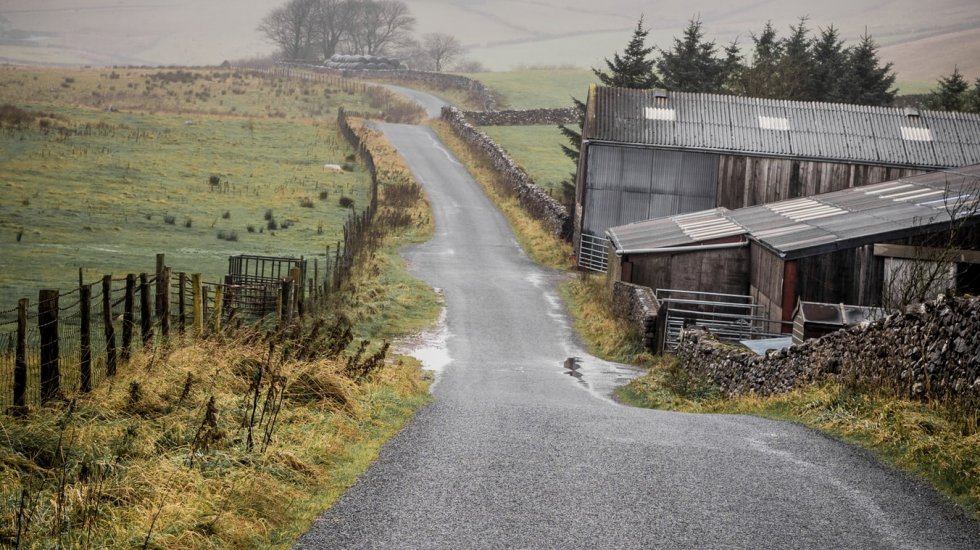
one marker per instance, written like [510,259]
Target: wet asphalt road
[514,453]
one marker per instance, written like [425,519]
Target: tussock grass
[934,442]
[537,241]
[605,334]
[164,454]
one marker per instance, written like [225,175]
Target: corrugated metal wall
[626,184]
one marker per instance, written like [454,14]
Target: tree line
[315,30]
[954,93]
[804,65]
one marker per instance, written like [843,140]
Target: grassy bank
[930,441]
[605,334]
[237,441]
[537,241]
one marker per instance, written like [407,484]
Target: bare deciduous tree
[289,27]
[332,21]
[441,49]
[379,26]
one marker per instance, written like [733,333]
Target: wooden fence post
[162,290]
[219,298]
[181,303]
[20,360]
[198,293]
[85,314]
[47,320]
[146,317]
[165,306]
[296,291]
[284,302]
[110,330]
[127,324]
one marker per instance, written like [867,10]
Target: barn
[855,246]
[652,153]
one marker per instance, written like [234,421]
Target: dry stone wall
[532,198]
[638,304]
[526,117]
[931,353]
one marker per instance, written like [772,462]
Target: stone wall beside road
[931,353]
[527,117]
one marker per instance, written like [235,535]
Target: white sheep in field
[333,168]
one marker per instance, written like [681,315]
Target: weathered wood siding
[725,271]
[747,181]
[766,280]
[852,276]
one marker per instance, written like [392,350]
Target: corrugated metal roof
[798,228]
[768,127]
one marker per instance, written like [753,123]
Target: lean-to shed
[652,153]
[852,246]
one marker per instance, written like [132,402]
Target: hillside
[923,39]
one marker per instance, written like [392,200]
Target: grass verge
[930,441]
[237,441]
[606,335]
[537,241]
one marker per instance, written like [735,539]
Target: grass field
[83,187]
[537,149]
[537,88]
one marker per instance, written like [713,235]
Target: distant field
[538,88]
[537,149]
[105,191]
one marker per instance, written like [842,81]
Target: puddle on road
[600,378]
[429,347]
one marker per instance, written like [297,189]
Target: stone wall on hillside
[526,117]
[532,198]
[638,304]
[931,353]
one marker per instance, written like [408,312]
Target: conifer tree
[866,81]
[951,94]
[795,67]
[634,69]
[972,100]
[761,79]
[692,65]
[829,56]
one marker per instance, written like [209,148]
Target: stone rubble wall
[638,304]
[931,353]
[532,198]
[526,117]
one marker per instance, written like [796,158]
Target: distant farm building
[650,153]
[851,246]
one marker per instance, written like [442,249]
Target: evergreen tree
[634,69]
[829,56]
[865,80]
[573,136]
[952,92]
[761,78]
[692,64]
[972,100]
[795,67]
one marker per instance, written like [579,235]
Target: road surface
[514,453]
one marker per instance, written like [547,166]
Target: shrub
[169,219]
[250,228]
[268,215]
[324,195]
[346,202]
[188,222]
[271,224]
[226,215]
[306,202]
[347,167]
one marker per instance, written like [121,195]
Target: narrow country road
[514,453]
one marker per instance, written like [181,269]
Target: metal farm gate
[253,282]
[730,317]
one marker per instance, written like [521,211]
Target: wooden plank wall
[850,276]
[747,181]
[725,271]
[766,280]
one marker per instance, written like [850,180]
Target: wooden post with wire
[20,360]
[129,307]
[164,282]
[182,303]
[219,298]
[47,321]
[85,319]
[110,330]
[146,316]
[198,296]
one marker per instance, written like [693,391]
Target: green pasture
[537,149]
[537,88]
[106,191]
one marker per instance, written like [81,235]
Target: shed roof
[779,128]
[815,225]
